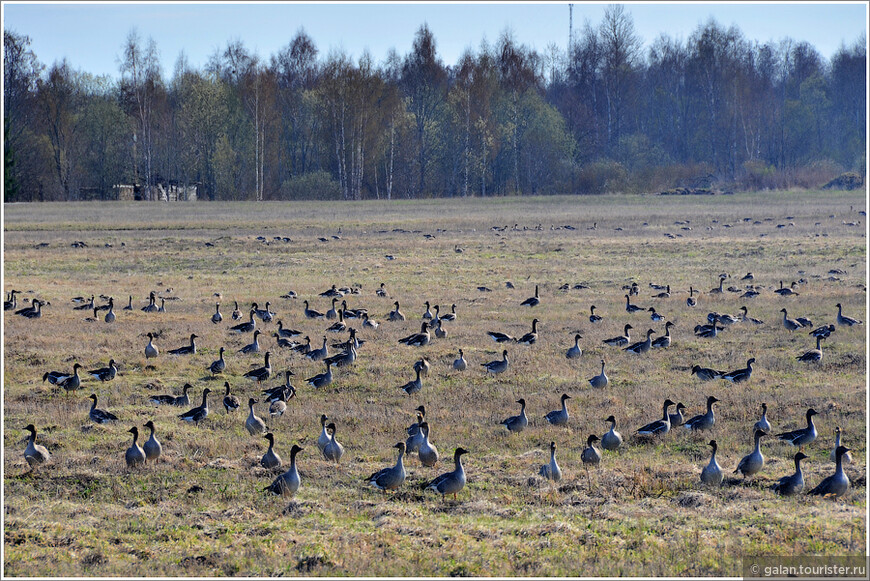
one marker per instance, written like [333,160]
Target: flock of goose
[432,327]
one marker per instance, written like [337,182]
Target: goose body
[254,423]
[333,450]
[287,483]
[217,317]
[171,399]
[427,314]
[591,456]
[752,463]
[332,313]
[677,418]
[740,375]
[641,346]
[134,455]
[99,416]
[703,421]
[451,316]
[392,477]
[311,313]
[54,377]
[847,457]
[611,440]
[803,436]
[664,341]
[247,327]
[71,382]
[339,326]
[254,346]
[601,380]
[150,350]
[519,422]
[711,474]
[34,313]
[530,337]
[270,459]
[691,301]
[427,452]
[706,374]
[499,337]
[575,351]
[151,307]
[845,321]
[813,355]
[415,435]
[551,470]
[286,333]
[532,301]
[747,319]
[34,453]
[261,373]
[630,308]
[793,483]
[823,331]
[460,364]
[237,314]
[110,315]
[450,482]
[105,373]
[395,314]
[658,427]
[413,386]
[418,339]
[152,447]
[323,438]
[763,424]
[620,340]
[321,379]
[838,483]
[654,316]
[283,392]
[187,349]
[559,417]
[499,365]
[318,354]
[230,401]
[198,413]
[219,365]
[790,324]
[593,318]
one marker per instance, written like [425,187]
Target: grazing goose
[677,419]
[641,346]
[664,341]
[530,337]
[286,333]
[71,382]
[231,402]
[747,319]
[198,413]
[318,354]
[427,452]
[246,327]
[395,314]
[752,463]
[254,423]
[630,308]
[600,380]
[339,326]
[703,421]
[451,316]
[813,355]
[187,349]
[332,313]
[368,322]
[261,374]
[501,337]
[656,317]
[311,313]
[413,386]
[34,453]
[428,314]
[611,440]
[333,450]
[620,340]
[152,447]
[551,470]
[593,318]
[844,320]
[575,351]
[790,324]
[823,331]
[591,455]
[134,455]
[519,422]
[321,379]
[532,301]
[392,477]
[559,417]
[99,416]
[706,374]
[691,301]
[418,339]
[110,315]
[323,438]
[793,483]
[658,427]
[171,399]
[847,457]
[303,348]
[802,436]
[740,375]
[763,424]
[838,483]
[237,313]
[270,459]
[150,349]
[105,373]
[499,365]
[11,303]
[217,317]
[460,364]
[711,474]
[450,482]
[287,483]
[254,346]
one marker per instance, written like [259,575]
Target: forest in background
[605,116]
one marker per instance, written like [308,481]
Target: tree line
[604,116]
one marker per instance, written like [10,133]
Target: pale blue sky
[91,36]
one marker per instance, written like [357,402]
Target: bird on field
[747,319]
[530,337]
[824,331]
[237,313]
[105,373]
[837,484]
[532,301]
[333,450]
[332,292]
[395,314]
[414,385]
[710,331]
[665,294]
[664,341]
[150,349]
[656,317]
[381,291]
[711,474]
[180,400]
[591,456]
[99,416]
[187,349]
[321,379]
[282,392]
[813,355]
[630,308]
[519,422]
[677,418]
[369,322]
[217,317]
[428,313]
[198,413]
[611,440]
[451,316]
[450,482]
[85,306]
[254,423]
[740,375]
[793,483]
[270,459]
[551,470]
[497,366]
[790,324]
[641,346]
[620,340]
[311,313]
[763,424]
[718,289]
[286,333]
[303,348]
[162,307]
[219,365]
[418,339]
[706,374]
[134,455]
[287,483]
[703,421]
[845,321]
[323,438]
[254,346]
[427,452]
[230,401]
[261,374]
[318,354]
[691,301]
[439,330]
[151,307]
[34,453]
[33,313]
[54,377]
[11,303]
[847,457]
[339,326]
[593,318]
[658,427]
[460,364]
[110,315]
[600,380]
[752,463]
[392,477]
[575,351]
[129,306]
[559,417]
[71,382]
[246,327]
[152,447]
[266,315]
[499,337]
[802,436]
[786,291]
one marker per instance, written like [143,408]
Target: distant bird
[414,385]
[129,306]
[180,400]
[575,351]
[664,341]
[392,477]
[630,308]
[99,416]
[837,484]
[499,365]
[321,379]
[219,365]
[311,313]
[655,316]
[499,337]
[593,318]
[711,474]
[427,314]
[551,470]
[559,417]
[658,427]
[706,374]
[747,319]
[824,331]
[790,324]
[591,456]
[532,301]
[418,339]
[620,340]
[237,314]
[427,452]
[187,349]
[318,354]
[152,447]
[845,321]
[802,436]
[752,463]
[793,483]
[11,303]
[641,346]
[286,333]
[287,483]
[230,401]
[519,422]
[451,316]
[381,291]
[134,455]
[395,314]
[450,482]
[217,317]
[460,364]
[600,380]
[691,301]
[247,327]
[34,453]
[198,413]
[611,440]
[677,418]
[786,291]
[254,346]
[740,375]
[105,373]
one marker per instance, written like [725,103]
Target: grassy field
[202,511]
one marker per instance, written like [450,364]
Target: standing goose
[747,319]
[591,455]
[219,365]
[752,463]
[593,318]
[847,457]
[703,421]
[532,301]
[105,373]
[129,306]
[575,351]
[254,346]
[71,382]
[439,330]
[333,450]
[630,308]
[838,483]
[270,459]
[261,374]
[620,340]
[519,422]
[460,364]
[803,436]
[415,435]
[427,452]
[303,348]
[321,379]
[499,365]
[99,416]
[281,392]
[150,349]
[418,339]
[332,313]
[246,327]
[712,474]
[318,354]
[152,447]
[740,375]
[198,413]
[287,483]
[600,380]
[559,417]
[187,349]
[706,373]
[311,313]
[530,337]
[789,324]
[763,424]
[611,440]
[450,482]
[813,355]
[254,424]
[345,358]
[110,316]
[392,477]
[664,341]
[658,427]
[427,314]
[323,438]
[339,326]
[34,453]
[395,314]
[793,483]
[231,402]
[217,317]
[691,301]
[237,313]
[641,346]
[677,419]
[844,320]
[134,455]
[551,470]
[414,385]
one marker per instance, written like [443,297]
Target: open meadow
[202,509]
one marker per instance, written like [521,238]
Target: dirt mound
[847,181]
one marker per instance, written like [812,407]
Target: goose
[152,447]
[318,354]
[763,424]
[703,421]
[134,455]
[427,452]
[34,453]
[247,326]
[217,317]
[151,307]
[655,316]
[611,440]
[25,310]
[392,477]
[219,365]
[332,313]
[706,373]
[752,463]
[198,413]
[150,349]
[270,459]
[427,314]
[231,402]
[287,483]
[789,324]
[11,304]
[813,355]
[413,386]
[844,320]
[711,474]
[105,373]
[460,364]
[280,393]
[369,322]
[802,436]
[641,346]
[805,322]
[332,292]
[415,435]
[501,337]
[519,422]
[162,308]
[418,339]
[677,418]
[630,308]
[110,315]
[266,315]
[665,294]
[838,483]
[321,379]
[450,482]
[727,319]
[36,312]
[311,313]
[303,348]
[237,313]
[323,438]
[591,455]
[71,382]
[823,331]
[600,380]
[530,337]
[261,374]
[286,333]
[338,327]
[333,450]
[575,351]
[747,319]
[187,349]
[532,301]
[254,424]
[559,417]
[718,289]
[551,470]
[593,318]
[278,407]
[129,306]
[395,314]
[620,340]
[664,341]
[497,366]
[847,457]
[85,306]
[786,291]
[451,316]
[709,331]
[54,377]
[351,340]
[381,291]
[423,366]
[740,375]
[658,427]
[171,399]
[793,483]
[691,301]
[254,346]
[99,416]
[439,331]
